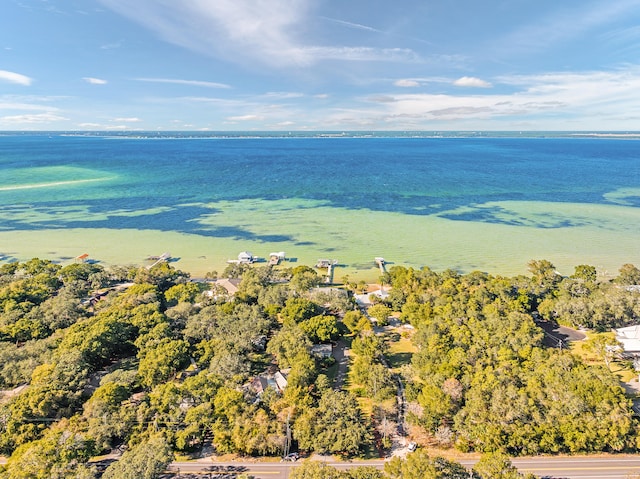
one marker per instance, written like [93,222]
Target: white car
[412,446]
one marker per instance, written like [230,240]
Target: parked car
[412,446]
[293,457]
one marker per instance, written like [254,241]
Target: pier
[276,258]
[83,258]
[329,264]
[245,257]
[159,259]
[381,264]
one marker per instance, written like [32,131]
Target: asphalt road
[619,467]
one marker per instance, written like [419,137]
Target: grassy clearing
[583,351]
[401,350]
[331,372]
[621,368]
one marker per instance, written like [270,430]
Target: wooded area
[120,357]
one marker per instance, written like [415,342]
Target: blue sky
[320,65]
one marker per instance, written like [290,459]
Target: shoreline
[199,255]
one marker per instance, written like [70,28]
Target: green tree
[287,343]
[304,280]
[335,426]
[496,465]
[163,360]
[585,272]
[183,293]
[147,460]
[60,454]
[351,320]
[298,309]
[315,470]
[380,313]
[162,275]
[436,406]
[364,472]
[108,420]
[418,465]
[368,345]
[629,275]
[605,346]
[79,272]
[320,329]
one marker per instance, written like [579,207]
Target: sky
[336,65]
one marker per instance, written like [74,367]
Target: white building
[629,338]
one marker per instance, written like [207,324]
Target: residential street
[607,467]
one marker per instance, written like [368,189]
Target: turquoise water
[468,202]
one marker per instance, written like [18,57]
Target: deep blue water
[414,176]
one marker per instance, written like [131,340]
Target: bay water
[461,201]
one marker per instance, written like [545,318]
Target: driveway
[341,355]
[556,336]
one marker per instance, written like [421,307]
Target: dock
[158,259]
[329,264]
[381,264]
[83,258]
[244,257]
[276,258]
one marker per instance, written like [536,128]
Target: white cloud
[406,83]
[35,118]
[95,81]
[472,82]
[13,77]
[360,54]
[207,84]
[563,100]
[282,95]
[244,118]
[89,125]
[127,120]
[271,32]
[10,105]
[357,26]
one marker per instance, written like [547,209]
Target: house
[259,384]
[277,382]
[365,300]
[629,338]
[322,351]
[230,285]
[281,380]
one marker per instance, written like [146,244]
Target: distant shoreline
[355,134]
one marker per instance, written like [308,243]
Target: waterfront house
[629,339]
